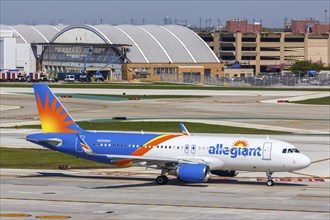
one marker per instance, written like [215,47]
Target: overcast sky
[271,12]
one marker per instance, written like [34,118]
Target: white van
[69,78]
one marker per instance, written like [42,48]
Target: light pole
[325,15]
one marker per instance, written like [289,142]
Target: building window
[248,57]
[269,49]
[267,39]
[294,39]
[248,39]
[270,58]
[166,70]
[248,48]
[228,39]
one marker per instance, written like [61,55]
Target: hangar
[125,52]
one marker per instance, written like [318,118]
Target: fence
[249,81]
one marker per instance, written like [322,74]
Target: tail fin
[53,116]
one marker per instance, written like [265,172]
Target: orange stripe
[84,146]
[154,142]
[123,163]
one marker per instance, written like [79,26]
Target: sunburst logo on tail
[241,143]
[52,119]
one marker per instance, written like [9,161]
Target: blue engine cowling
[196,173]
[228,173]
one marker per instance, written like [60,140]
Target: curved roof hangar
[150,43]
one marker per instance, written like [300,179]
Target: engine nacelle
[229,173]
[196,173]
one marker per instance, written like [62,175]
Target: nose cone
[303,162]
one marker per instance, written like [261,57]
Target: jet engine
[196,173]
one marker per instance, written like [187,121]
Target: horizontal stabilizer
[55,142]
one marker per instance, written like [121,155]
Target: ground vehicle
[69,78]
[261,81]
[52,79]
[98,76]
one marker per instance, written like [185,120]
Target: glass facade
[77,54]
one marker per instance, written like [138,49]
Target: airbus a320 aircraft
[190,158]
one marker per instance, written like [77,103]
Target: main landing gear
[270,181]
[162,179]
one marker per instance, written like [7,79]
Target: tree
[303,66]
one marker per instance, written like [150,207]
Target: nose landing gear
[270,181]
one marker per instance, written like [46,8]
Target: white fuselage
[221,153]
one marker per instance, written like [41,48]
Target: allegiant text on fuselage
[233,152]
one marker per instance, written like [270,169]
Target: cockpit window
[290,150]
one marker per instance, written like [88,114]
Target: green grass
[90,96]
[165,127]
[319,101]
[164,86]
[42,159]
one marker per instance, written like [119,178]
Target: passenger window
[284,151]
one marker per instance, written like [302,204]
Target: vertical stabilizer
[54,117]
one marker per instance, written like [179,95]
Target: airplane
[190,158]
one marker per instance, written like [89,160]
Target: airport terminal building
[122,52]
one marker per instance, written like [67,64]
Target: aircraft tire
[161,180]
[270,182]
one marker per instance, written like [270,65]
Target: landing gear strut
[270,181]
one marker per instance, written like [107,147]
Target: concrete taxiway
[130,193]
[236,108]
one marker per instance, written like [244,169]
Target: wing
[160,162]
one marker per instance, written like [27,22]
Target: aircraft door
[78,145]
[267,151]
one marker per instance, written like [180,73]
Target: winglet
[184,130]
